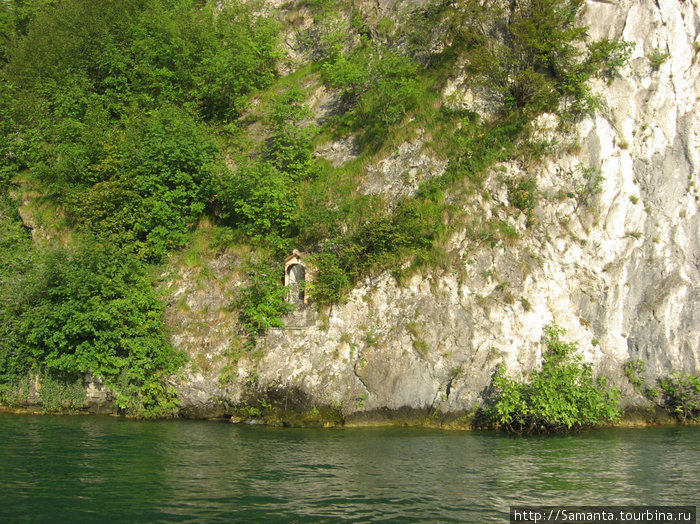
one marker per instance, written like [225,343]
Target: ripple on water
[92,468]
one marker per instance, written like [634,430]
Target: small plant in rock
[656,59]
[589,184]
[681,394]
[331,282]
[521,194]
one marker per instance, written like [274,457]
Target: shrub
[262,302]
[379,84]
[59,390]
[521,194]
[94,309]
[532,52]
[239,57]
[157,180]
[330,282]
[656,59]
[262,197]
[394,90]
[681,395]
[261,200]
[349,73]
[562,396]
[678,393]
[588,184]
[289,148]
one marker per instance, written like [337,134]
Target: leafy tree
[349,72]
[17,262]
[395,88]
[93,309]
[261,200]
[290,146]
[157,180]
[381,82]
[678,393]
[262,197]
[162,52]
[240,58]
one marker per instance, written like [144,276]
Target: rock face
[619,269]
[401,173]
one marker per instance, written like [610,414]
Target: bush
[521,194]
[261,200]
[91,309]
[349,73]
[532,52]
[562,396]
[156,182]
[678,393]
[681,395]
[262,302]
[238,58]
[394,90]
[262,197]
[379,84]
[150,53]
[330,282]
[289,148]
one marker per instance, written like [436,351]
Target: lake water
[101,469]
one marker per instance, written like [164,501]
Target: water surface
[101,469]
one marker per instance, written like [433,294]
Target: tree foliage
[262,302]
[90,309]
[155,180]
[533,52]
[378,86]
[107,108]
[331,283]
[149,52]
[262,196]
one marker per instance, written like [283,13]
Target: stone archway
[296,277]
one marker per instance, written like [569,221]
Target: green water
[93,469]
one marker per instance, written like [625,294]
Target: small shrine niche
[295,277]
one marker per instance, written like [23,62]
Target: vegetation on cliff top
[123,123]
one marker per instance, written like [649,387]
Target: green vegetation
[678,393]
[656,59]
[152,185]
[262,197]
[65,391]
[130,121]
[89,309]
[262,303]
[521,194]
[562,396]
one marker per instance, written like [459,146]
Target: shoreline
[631,418]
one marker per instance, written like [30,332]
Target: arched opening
[296,276]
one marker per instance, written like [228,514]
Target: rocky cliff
[620,271]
